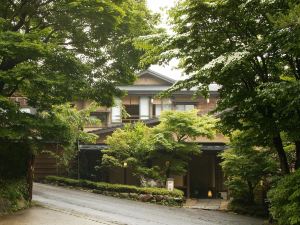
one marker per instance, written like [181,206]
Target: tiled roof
[204,147]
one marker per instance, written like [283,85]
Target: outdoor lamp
[125,164]
[209,193]
[207,100]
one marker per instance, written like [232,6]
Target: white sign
[170,184]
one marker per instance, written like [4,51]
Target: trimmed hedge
[147,194]
[13,195]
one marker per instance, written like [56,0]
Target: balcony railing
[135,118]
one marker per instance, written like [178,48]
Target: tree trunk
[297,163]
[282,155]
[168,173]
[251,193]
[30,168]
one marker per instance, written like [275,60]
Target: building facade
[141,104]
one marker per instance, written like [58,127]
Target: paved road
[43,216]
[108,210]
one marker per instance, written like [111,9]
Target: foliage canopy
[176,138]
[54,52]
[251,49]
[245,166]
[133,145]
[284,200]
[160,151]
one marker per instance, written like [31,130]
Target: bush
[13,195]
[245,166]
[285,200]
[253,209]
[167,197]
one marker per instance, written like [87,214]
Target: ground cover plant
[13,195]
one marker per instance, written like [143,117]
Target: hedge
[149,194]
[13,195]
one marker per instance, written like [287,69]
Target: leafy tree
[55,52]
[75,120]
[176,139]
[134,145]
[284,200]
[251,49]
[245,166]
[155,153]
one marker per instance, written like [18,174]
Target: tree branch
[16,87]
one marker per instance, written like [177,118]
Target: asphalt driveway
[67,206]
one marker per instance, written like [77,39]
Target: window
[25,110]
[28,110]
[161,107]
[144,108]
[116,111]
[184,107]
[101,116]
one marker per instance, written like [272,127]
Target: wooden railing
[135,118]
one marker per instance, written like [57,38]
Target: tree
[156,153]
[133,145]
[176,139]
[55,52]
[251,49]
[245,166]
[75,120]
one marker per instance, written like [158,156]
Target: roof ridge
[159,75]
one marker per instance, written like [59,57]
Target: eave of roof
[158,75]
[154,89]
[204,147]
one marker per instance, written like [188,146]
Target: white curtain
[144,108]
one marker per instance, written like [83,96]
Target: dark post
[125,172]
[188,186]
[78,160]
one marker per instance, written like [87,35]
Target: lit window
[28,110]
[184,107]
[25,110]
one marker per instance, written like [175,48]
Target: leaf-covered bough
[54,52]
[251,50]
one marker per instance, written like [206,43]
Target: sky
[160,6]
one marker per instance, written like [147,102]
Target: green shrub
[119,188]
[245,166]
[253,209]
[13,195]
[238,189]
[285,200]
